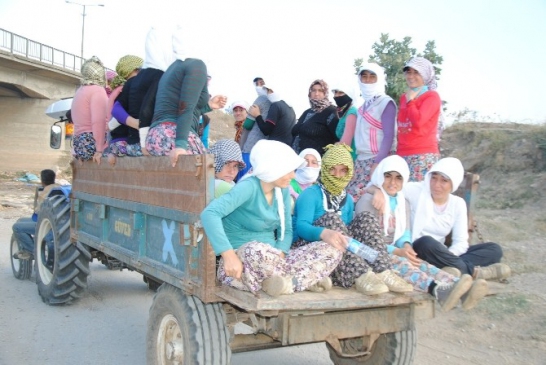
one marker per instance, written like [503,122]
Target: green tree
[392,55]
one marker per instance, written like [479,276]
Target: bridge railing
[33,50]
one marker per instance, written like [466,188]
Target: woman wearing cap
[375,128]
[388,179]
[436,212]
[250,227]
[89,111]
[182,97]
[324,212]
[346,112]
[420,109]
[228,161]
[316,128]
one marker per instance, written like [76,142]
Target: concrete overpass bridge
[32,76]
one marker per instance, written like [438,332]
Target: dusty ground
[506,328]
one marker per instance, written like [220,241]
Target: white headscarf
[346,87]
[368,91]
[308,174]
[270,161]
[452,168]
[388,164]
[158,51]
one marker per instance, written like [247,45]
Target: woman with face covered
[346,112]
[250,227]
[375,127]
[388,180]
[324,212]
[316,128]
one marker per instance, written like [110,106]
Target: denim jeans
[23,230]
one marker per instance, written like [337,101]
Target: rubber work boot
[449,294]
[493,272]
[394,282]
[277,285]
[370,284]
[476,293]
[322,285]
[453,271]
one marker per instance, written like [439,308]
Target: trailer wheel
[396,348]
[21,268]
[184,330]
[62,267]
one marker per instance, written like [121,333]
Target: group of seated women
[263,246]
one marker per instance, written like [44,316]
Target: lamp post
[83,19]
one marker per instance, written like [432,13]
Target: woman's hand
[408,252]
[254,111]
[175,152]
[336,239]
[233,267]
[411,94]
[96,157]
[132,122]
[218,102]
[378,201]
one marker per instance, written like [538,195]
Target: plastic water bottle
[362,250]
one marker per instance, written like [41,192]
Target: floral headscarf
[318,105]
[425,69]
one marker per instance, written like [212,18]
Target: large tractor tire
[22,269]
[396,348]
[184,330]
[62,267]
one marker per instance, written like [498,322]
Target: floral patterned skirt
[161,140]
[361,178]
[364,228]
[84,146]
[420,277]
[419,165]
[306,265]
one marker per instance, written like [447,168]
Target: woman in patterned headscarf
[89,112]
[316,128]
[228,161]
[324,212]
[127,67]
[420,109]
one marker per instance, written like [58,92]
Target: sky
[494,50]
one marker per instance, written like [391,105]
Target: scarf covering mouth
[93,72]
[338,154]
[369,91]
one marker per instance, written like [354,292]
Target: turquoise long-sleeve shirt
[243,214]
[309,208]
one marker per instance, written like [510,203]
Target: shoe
[394,282]
[493,272]
[449,294]
[370,284]
[278,285]
[476,293]
[453,271]
[23,255]
[322,285]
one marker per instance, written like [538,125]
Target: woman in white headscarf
[250,227]
[388,179]
[436,212]
[306,175]
[345,98]
[182,97]
[375,127]
[420,108]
